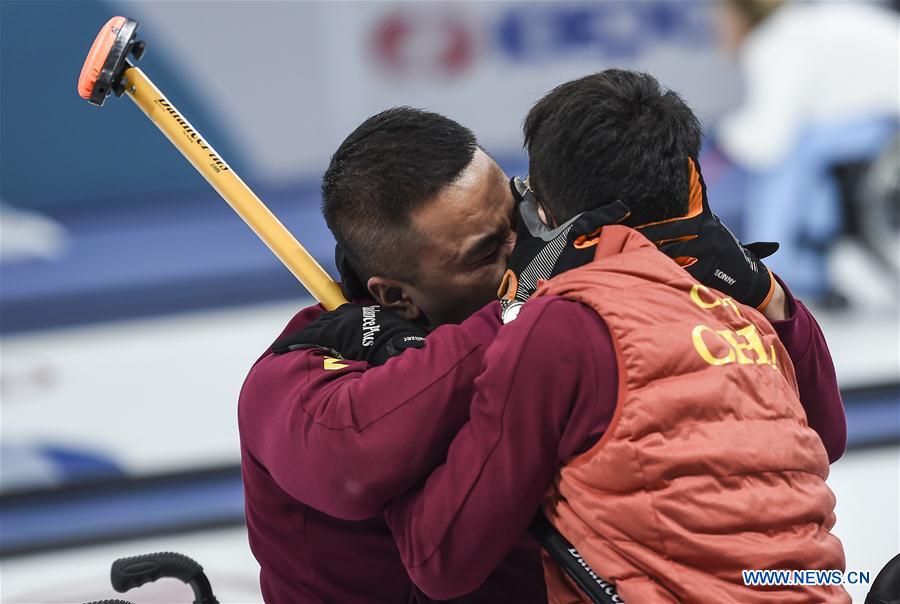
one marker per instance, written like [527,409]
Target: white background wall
[292,79]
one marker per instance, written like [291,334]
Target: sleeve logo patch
[333,364]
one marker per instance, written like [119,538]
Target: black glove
[541,252]
[351,284]
[711,253]
[359,333]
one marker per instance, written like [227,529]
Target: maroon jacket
[499,467]
[327,445]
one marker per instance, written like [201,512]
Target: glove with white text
[359,333]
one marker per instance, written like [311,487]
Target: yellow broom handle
[230,186]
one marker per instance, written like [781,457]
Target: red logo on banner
[424,43]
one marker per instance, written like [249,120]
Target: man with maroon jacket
[426,220]
[425,217]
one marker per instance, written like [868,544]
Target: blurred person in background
[820,92]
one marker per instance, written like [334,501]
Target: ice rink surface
[200,391]
[78,376]
[864,482]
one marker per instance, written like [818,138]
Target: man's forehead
[474,202]
[480,172]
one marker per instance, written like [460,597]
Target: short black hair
[392,164]
[612,135]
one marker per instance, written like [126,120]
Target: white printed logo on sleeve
[370,325]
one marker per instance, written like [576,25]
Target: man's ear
[395,295]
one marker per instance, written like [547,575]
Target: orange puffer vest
[708,466]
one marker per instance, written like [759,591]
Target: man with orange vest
[684,455]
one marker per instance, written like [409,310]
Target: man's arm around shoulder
[547,392]
[345,438]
